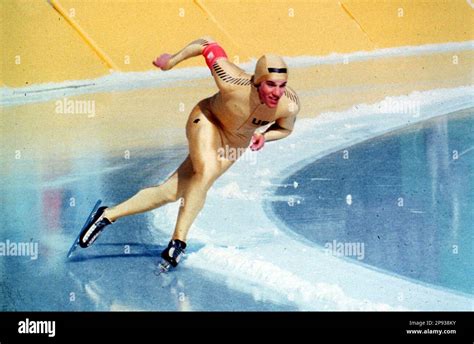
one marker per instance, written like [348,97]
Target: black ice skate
[93,228]
[171,255]
[95,223]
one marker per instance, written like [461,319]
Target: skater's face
[270,92]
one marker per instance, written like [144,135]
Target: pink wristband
[212,53]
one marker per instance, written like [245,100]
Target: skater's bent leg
[193,202]
[204,141]
[154,197]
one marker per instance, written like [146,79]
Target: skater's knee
[206,176]
[171,196]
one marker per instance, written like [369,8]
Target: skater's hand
[162,61]
[258,140]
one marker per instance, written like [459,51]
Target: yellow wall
[414,22]
[132,33]
[37,46]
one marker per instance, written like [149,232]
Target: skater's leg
[204,142]
[156,196]
[144,200]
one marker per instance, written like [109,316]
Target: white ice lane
[250,251]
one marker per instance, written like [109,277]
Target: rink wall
[39,45]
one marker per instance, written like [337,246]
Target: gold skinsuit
[227,119]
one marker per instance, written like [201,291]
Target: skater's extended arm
[225,73]
[195,48]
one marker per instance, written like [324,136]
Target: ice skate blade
[163,267]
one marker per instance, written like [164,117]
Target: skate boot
[171,255]
[93,228]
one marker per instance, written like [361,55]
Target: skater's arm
[225,73]
[280,129]
[195,48]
